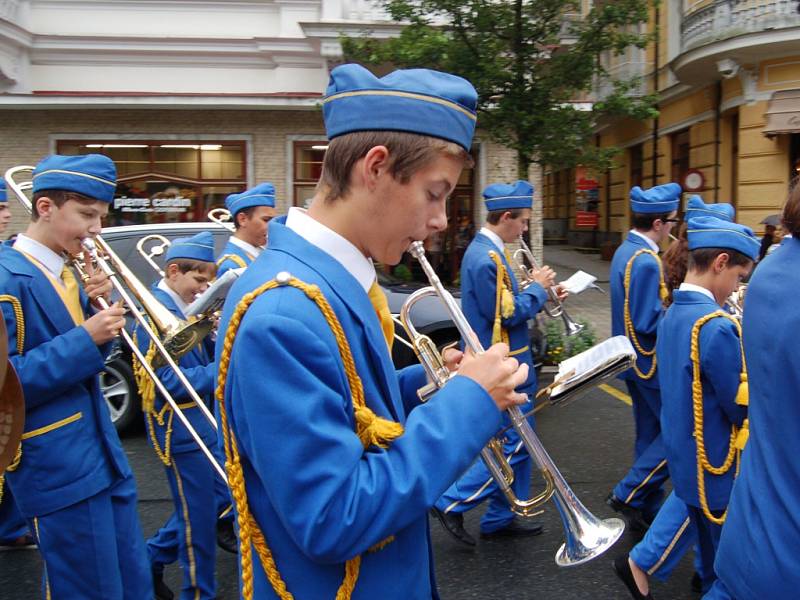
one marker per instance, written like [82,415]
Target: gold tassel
[743,435]
[373,430]
[663,292]
[507,304]
[743,395]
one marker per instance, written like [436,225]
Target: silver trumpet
[735,302]
[523,257]
[586,536]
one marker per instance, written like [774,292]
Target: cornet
[181,336]
[735,302]
[524,257]
[222,217]
[586,536]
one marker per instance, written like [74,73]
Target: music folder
[592,367]
[214,297]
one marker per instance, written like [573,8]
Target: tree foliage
[529,62]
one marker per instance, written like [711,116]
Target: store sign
[586,219]
[176,204]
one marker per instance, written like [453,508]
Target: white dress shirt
[690,287]
[253,251]
[653,246]
[494,237]
[330,242]
[54,263]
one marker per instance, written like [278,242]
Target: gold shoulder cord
[19,317]
[370,428]
[234,257]
[738,438]
[504,300]
[629,329]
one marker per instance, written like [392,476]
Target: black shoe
[517,528]
[226,537]
[453,524]
[697,583]
[160,588]
[633,516]
[623,571]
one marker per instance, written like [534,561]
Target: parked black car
[117,382]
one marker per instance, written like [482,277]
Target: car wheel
[119,389]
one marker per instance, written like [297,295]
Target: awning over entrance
[783,113]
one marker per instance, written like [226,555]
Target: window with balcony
[170,181]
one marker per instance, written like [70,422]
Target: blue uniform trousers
[190,534]
[707,540]
[12,523]
[671,534]
[477,484]
[111,562]
[642,486]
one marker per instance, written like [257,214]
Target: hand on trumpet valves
[497,373]
[561,292]
[95,283]
[106,324]
[544,276]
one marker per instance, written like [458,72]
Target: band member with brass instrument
[72,480]
[332,460]
[756,557]
[498,309]
[14,531]
[704,380]
[638,293]
[672,532]
[251,212]
[190,533]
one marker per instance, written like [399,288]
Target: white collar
[494,237]
[182,306]
[52,262]
[253,251]
[690,287]
[332,243]
[653,246]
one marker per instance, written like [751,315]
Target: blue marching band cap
[3,197]
[261,195]
[508,196]
[695,207]
[420,101]
[659,199]
[90,175]
[197,247]
[712,232]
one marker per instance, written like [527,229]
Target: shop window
[308,157]
[159,182]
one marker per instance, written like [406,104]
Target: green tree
[527,75]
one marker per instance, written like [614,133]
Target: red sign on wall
[585,218]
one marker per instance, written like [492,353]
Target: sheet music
[579,282]
[593,360]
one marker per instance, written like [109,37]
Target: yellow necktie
[381,306]
[72,297]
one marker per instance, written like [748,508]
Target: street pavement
[590,439]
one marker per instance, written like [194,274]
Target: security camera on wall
[727,67]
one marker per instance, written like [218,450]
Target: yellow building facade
[727,74]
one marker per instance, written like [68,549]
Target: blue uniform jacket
[319,497]
[229,263]
[199,368]
[478,301]
[757,555]
[645,304]
[71,450]
[720,366]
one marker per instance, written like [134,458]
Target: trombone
[586,536]
[222,217]
[524,257]
[181,336]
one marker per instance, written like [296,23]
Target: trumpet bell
[184,339]
[588,539]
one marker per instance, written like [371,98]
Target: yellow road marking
[621,396]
